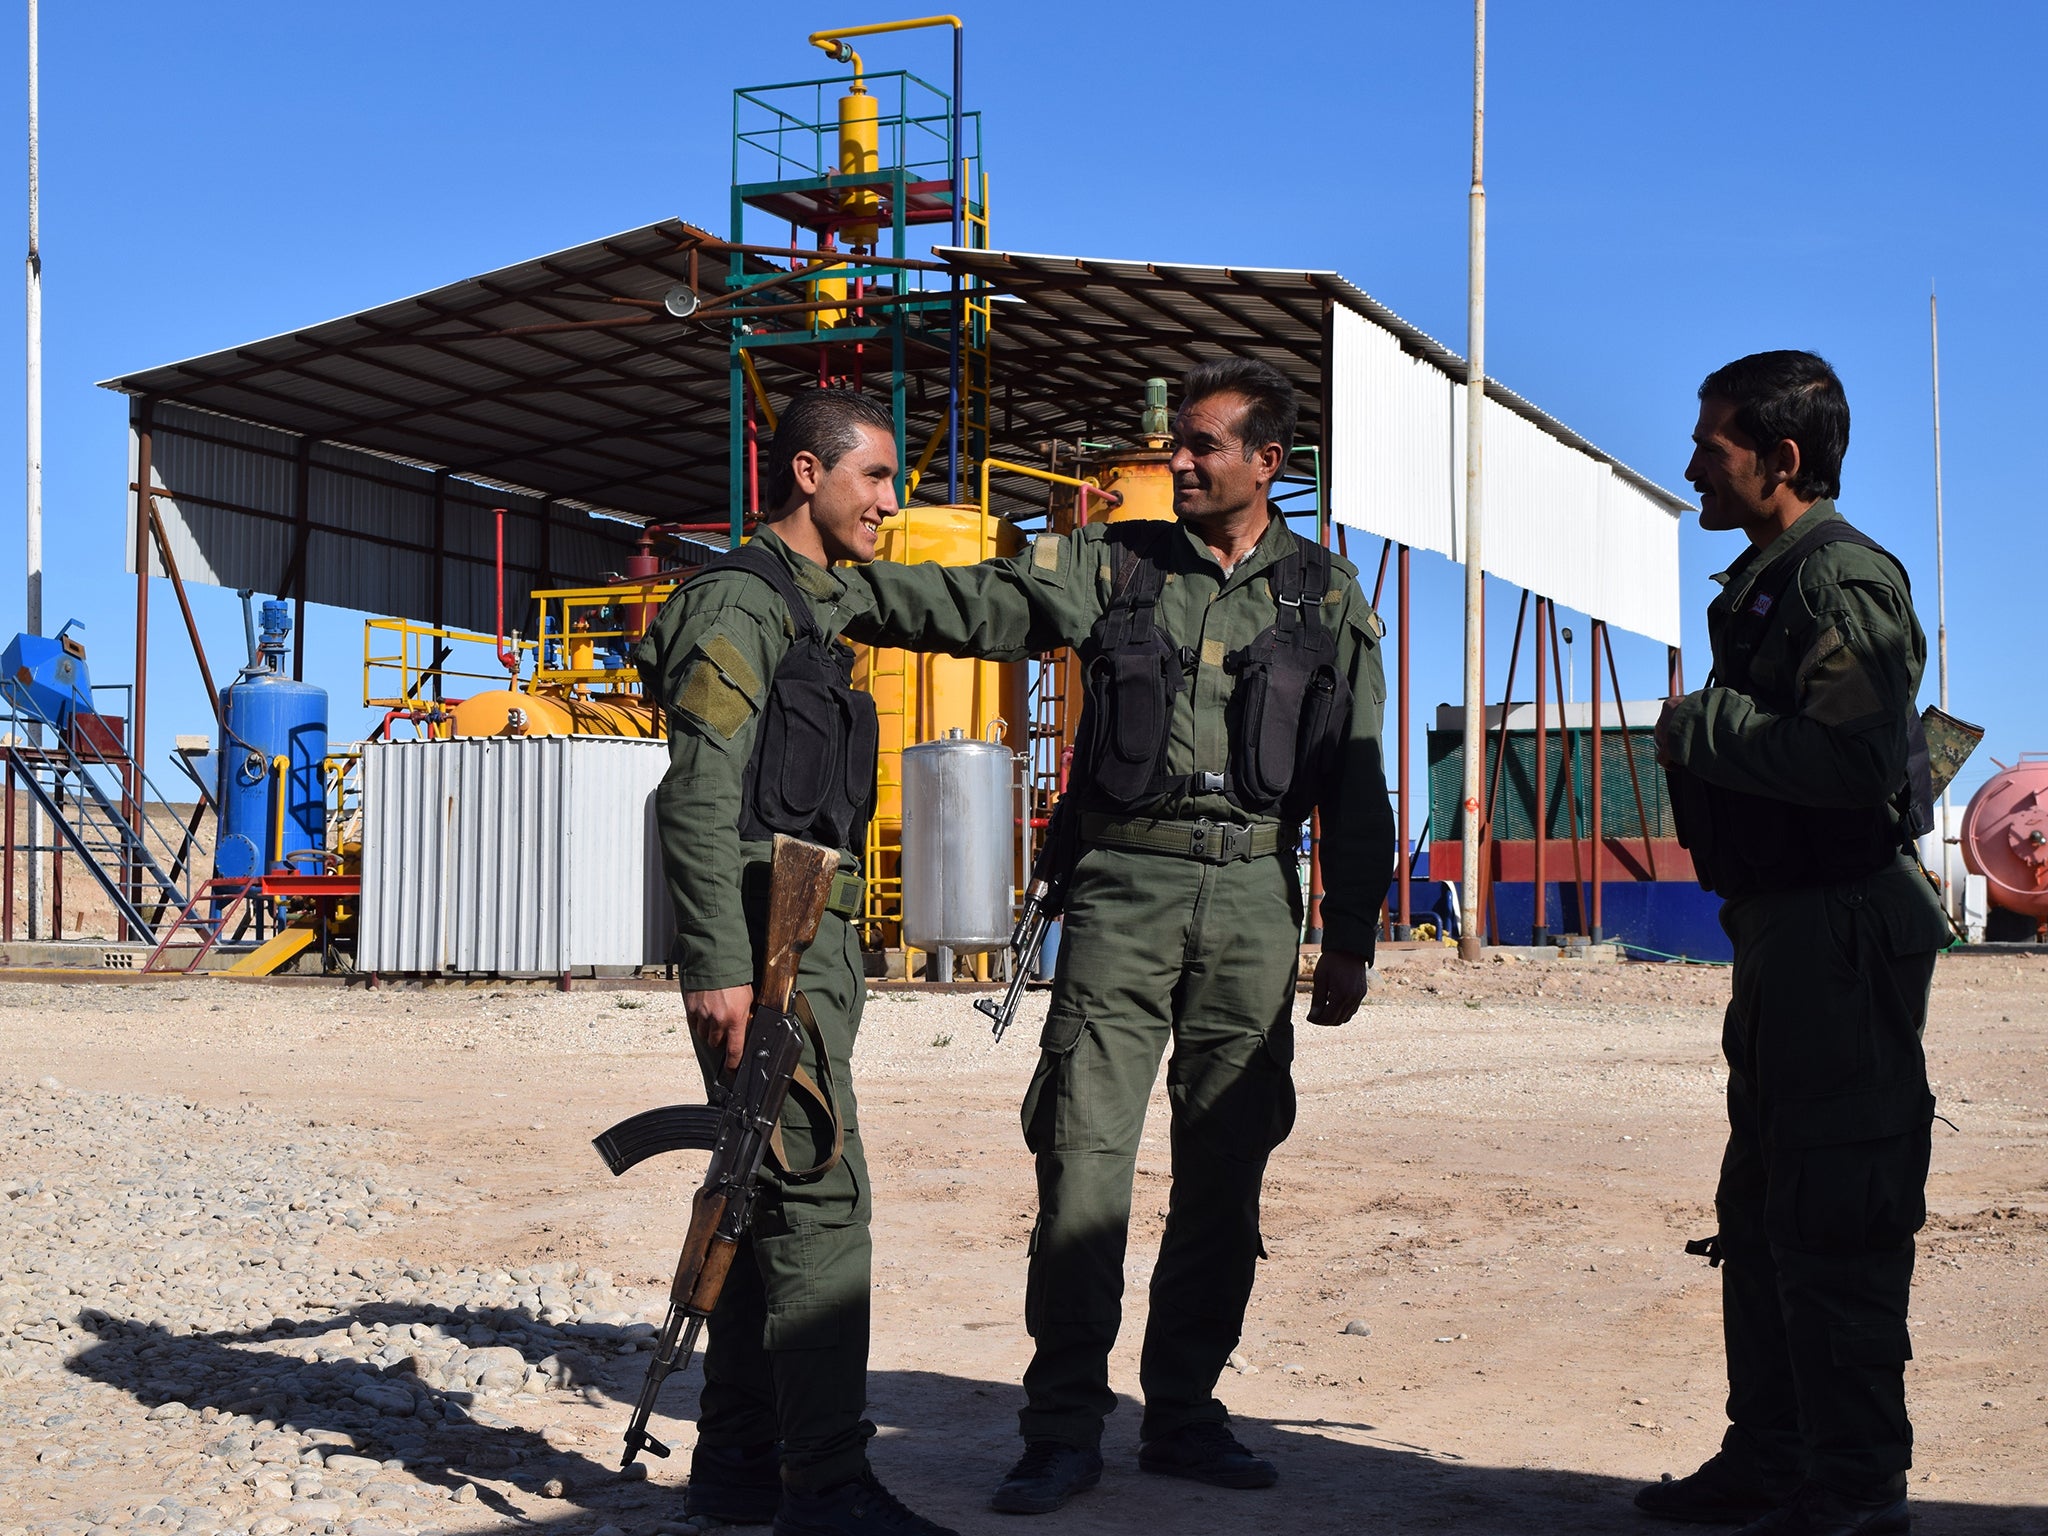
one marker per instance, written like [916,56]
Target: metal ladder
[975,359]
[115,853]
[208,913]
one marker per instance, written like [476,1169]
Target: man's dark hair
[822,421]
[1777,395]
[1270,410]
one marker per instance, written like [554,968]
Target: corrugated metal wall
[229,501]
[1559,521]
[532,856]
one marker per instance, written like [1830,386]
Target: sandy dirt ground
[1494,1171]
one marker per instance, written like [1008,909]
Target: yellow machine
[860,154]
[920,698]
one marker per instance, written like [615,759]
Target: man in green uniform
[1800,778]
[766,735]
[1234,683]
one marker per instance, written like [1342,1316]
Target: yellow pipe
[760,390]
[924,459]
[1083,488]
[282,767]
[833,39]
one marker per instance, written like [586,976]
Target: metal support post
[1599,632]
[1471,921]
[1404,859]
[34,505]
[1539,929]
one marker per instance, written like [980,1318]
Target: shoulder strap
[1778,576]
[759,561]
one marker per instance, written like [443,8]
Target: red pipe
[509,662]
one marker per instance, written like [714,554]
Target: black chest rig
[1743,843]
[812,773]
[1287,714]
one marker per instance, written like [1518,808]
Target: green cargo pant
[1824,1181]
[1156,947]
[787,1353]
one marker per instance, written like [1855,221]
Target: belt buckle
[1207,783]
[1237,842]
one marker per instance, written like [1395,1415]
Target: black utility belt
[1211,842]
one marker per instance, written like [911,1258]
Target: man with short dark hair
[1233,684]
[1800,778]
[767,736]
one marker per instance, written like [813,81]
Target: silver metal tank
[959,848]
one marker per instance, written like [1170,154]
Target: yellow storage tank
[502,712]
[920,698]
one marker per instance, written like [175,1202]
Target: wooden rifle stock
[748,1101]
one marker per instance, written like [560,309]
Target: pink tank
[2005,836]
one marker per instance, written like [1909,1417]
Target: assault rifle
[736,1127]
[1044,899]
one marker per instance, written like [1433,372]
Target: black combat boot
[1048,1474]
[1208,1453]
[1726,1490]
[734,1484]
[862,1507]
[1818,1511]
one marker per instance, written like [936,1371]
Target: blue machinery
[271,786]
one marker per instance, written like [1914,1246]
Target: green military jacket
[1843,646]
[709,658]
[1050,595]
[1841,654]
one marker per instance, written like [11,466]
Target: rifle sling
[801,1081]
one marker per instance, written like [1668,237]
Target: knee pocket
[1241,1111]
[1870,1344]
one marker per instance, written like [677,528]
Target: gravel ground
[283,1260]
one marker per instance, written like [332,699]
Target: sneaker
[1208,1453]
[734,1484]
[1818,1511]
[1048,1474]
[1724,1491]
[862,1507]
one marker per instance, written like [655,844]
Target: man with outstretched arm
[1800,777]
[1233,685]
[766,736]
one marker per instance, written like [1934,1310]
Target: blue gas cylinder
[267,716]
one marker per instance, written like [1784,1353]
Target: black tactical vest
[1287,714]
[1743,843]
[812,774]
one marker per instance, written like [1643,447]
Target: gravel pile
[193,1339]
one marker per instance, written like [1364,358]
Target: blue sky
[1669,187]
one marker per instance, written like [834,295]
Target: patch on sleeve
[722,652]
[1835,687]
[1045,551]
[721,689]
[712,702]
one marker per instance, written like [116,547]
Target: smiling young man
[1799,788]
[767,735]
[1233,685]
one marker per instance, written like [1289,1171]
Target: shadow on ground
[943,1442]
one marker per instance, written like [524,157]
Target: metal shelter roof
[562,381]
[1087,332]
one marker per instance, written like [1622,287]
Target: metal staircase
[128,862]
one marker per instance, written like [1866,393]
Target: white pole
[34,508]
[1471,920]
[1941,601]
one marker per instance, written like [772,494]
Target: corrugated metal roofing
[585,430]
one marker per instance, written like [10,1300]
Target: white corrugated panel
[512,857]
[1559,521]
